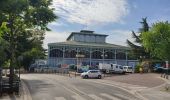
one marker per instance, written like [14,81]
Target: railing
[6,88]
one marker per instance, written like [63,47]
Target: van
[111,68]
[128,69]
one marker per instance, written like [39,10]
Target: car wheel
[86,76]
[99,76]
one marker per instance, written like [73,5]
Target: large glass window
[121,55]
[96,55]
[56,53]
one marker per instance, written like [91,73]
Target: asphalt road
[56,87]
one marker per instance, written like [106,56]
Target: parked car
[128,69]
[162,70]
[158,69]
[92,74]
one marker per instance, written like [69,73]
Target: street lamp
[79,56]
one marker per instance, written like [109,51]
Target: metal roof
[85,32]
[90,44]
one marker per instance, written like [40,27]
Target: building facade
[87,48]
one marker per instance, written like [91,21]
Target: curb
[25,92]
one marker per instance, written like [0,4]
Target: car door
[116,68]
[90,73]
[95,74]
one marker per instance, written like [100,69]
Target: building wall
[63,58]
[54,62]
[88,38]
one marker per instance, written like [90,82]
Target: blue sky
[116,18]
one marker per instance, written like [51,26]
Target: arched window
[109,55]
[85,53]
[56,53]
[73,54]
[70,54]
[96,55]
[121,55]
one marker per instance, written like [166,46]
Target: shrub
[137,68]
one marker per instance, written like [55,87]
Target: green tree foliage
[137,47]
[3,45]
[157,40]
[22,16]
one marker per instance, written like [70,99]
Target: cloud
[91,11]
[119,37]
[51,37]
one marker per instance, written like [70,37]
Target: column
[115,57]
[77,59]
[103,56]
[63,55]
[126,58]
[90,56]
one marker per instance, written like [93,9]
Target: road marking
[95,97]
[123,96]
[78,97]
[109,96]
[60,98]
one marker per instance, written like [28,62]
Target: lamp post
[79,56]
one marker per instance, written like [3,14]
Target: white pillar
[126,58]
[103,56]
[90,57]
[77,60]
[115,57]
[63,55]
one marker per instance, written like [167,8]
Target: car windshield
[120,67]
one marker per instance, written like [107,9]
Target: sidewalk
[24,94]
[159,92]
[148,86]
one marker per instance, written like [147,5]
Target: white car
[128,69]
[92,74]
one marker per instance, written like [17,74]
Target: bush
[73,67]
[137,67]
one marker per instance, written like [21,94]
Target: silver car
[92,74]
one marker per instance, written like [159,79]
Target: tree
[137,47]
[157,40]
[3,45]
[21,15]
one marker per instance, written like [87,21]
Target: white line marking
[95,97]
[60,98]
[78,97]
[109,96]
[123,96]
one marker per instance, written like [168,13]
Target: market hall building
[87,48]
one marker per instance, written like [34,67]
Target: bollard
[167,77]
[167,87]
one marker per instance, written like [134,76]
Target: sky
[116,18]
